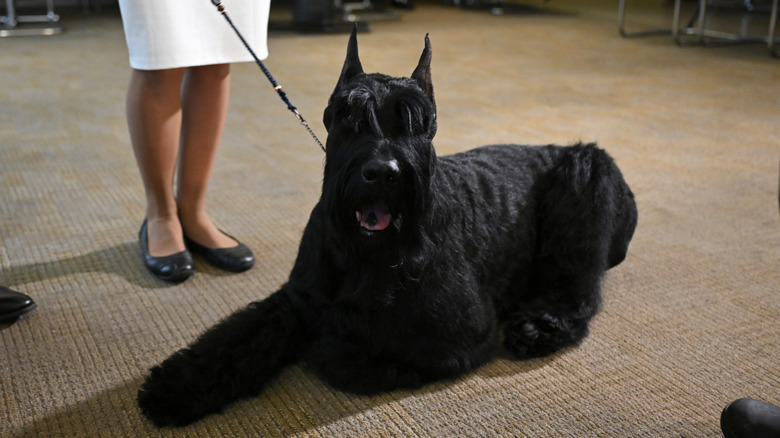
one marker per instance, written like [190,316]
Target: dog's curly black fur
[414,268]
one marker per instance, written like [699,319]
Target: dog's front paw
[173,394]
[529,336]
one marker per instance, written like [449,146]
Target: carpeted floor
[691,319]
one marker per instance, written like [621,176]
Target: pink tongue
[375,218]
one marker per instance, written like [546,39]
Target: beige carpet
[691,319]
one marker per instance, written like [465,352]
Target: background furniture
[14,24]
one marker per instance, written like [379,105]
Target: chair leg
[10,24]
[10,19]
[694,27]
[697,28]
[700,21]
[772,27]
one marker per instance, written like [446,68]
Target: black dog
[413,268]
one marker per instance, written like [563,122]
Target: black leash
[276,85]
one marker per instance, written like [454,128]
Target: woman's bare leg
[205,93]
[154,119]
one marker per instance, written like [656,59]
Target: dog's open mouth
[375,217]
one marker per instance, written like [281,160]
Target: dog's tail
[232,360]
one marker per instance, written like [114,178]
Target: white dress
[165,34]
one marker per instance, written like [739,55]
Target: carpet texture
[690,320]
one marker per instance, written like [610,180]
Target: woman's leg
[154,118]
[205,93]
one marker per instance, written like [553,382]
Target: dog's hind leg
[234,359]
[580,210]
[543,328]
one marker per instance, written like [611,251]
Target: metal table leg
[696,30]
[772,26]
[42,24]
[705,36]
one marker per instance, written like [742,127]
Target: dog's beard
[373,210]
[383,226]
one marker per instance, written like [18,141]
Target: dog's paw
[529,336]
[165,403]
[174,394]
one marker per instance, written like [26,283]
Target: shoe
[235,259]
[174,268]
[13,304]
[748,417]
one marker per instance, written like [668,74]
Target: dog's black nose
[380,170]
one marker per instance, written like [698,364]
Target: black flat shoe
[750,418]
[174,268]
[13,304]
[236,259]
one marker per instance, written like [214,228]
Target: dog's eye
[411,118]
[355,121]
[346,117]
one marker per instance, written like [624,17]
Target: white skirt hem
[163,34]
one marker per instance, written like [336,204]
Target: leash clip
[300,117]
[306,125]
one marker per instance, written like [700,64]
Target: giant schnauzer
[414,268]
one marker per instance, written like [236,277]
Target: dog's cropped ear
[352,66]
[422,74]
